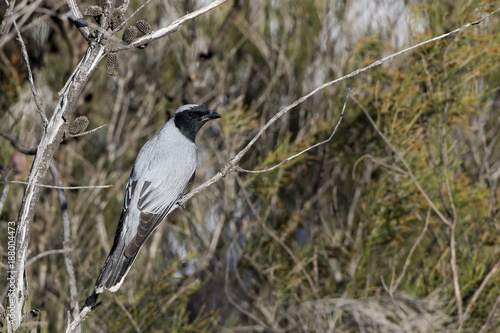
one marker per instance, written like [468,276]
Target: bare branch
[67,245]
[44,254]
[377,161]
[239,169]
[168,29]
[57,187]
[24,52]
[442,136]
[78,319]
[87,132]
[7,15]
[132,15]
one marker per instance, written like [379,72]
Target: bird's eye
[190,115]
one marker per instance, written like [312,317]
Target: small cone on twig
[143,27]
[129,34]
[116,19]
[93,11]
[112,64]
[78,125]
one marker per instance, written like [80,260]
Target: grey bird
[162,171]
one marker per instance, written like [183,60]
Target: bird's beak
[211,115]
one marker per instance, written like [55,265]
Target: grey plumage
[160,176]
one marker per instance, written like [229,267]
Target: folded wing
[155,201]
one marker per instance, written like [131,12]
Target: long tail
[115,269]
[112,274]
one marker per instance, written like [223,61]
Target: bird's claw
[91,302]
[181,204]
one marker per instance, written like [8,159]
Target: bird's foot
[181,204]
[91,302]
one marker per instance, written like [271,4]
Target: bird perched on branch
[160,176]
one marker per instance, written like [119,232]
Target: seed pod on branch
[116,19]
[112,64]
[130,34]
[78,125]
[143,27]
[93,11]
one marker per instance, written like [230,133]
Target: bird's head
[191,117]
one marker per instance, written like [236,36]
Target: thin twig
[24,52]
[88,132]
[58,187]
[444,153]
[132,15]
[376,161]
[239,169]
[7,15]
[44,254]
[67,245]
[78,319]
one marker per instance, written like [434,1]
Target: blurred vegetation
[338,239]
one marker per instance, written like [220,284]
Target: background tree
[392,226]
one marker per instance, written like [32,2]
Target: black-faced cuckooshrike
[161,174]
